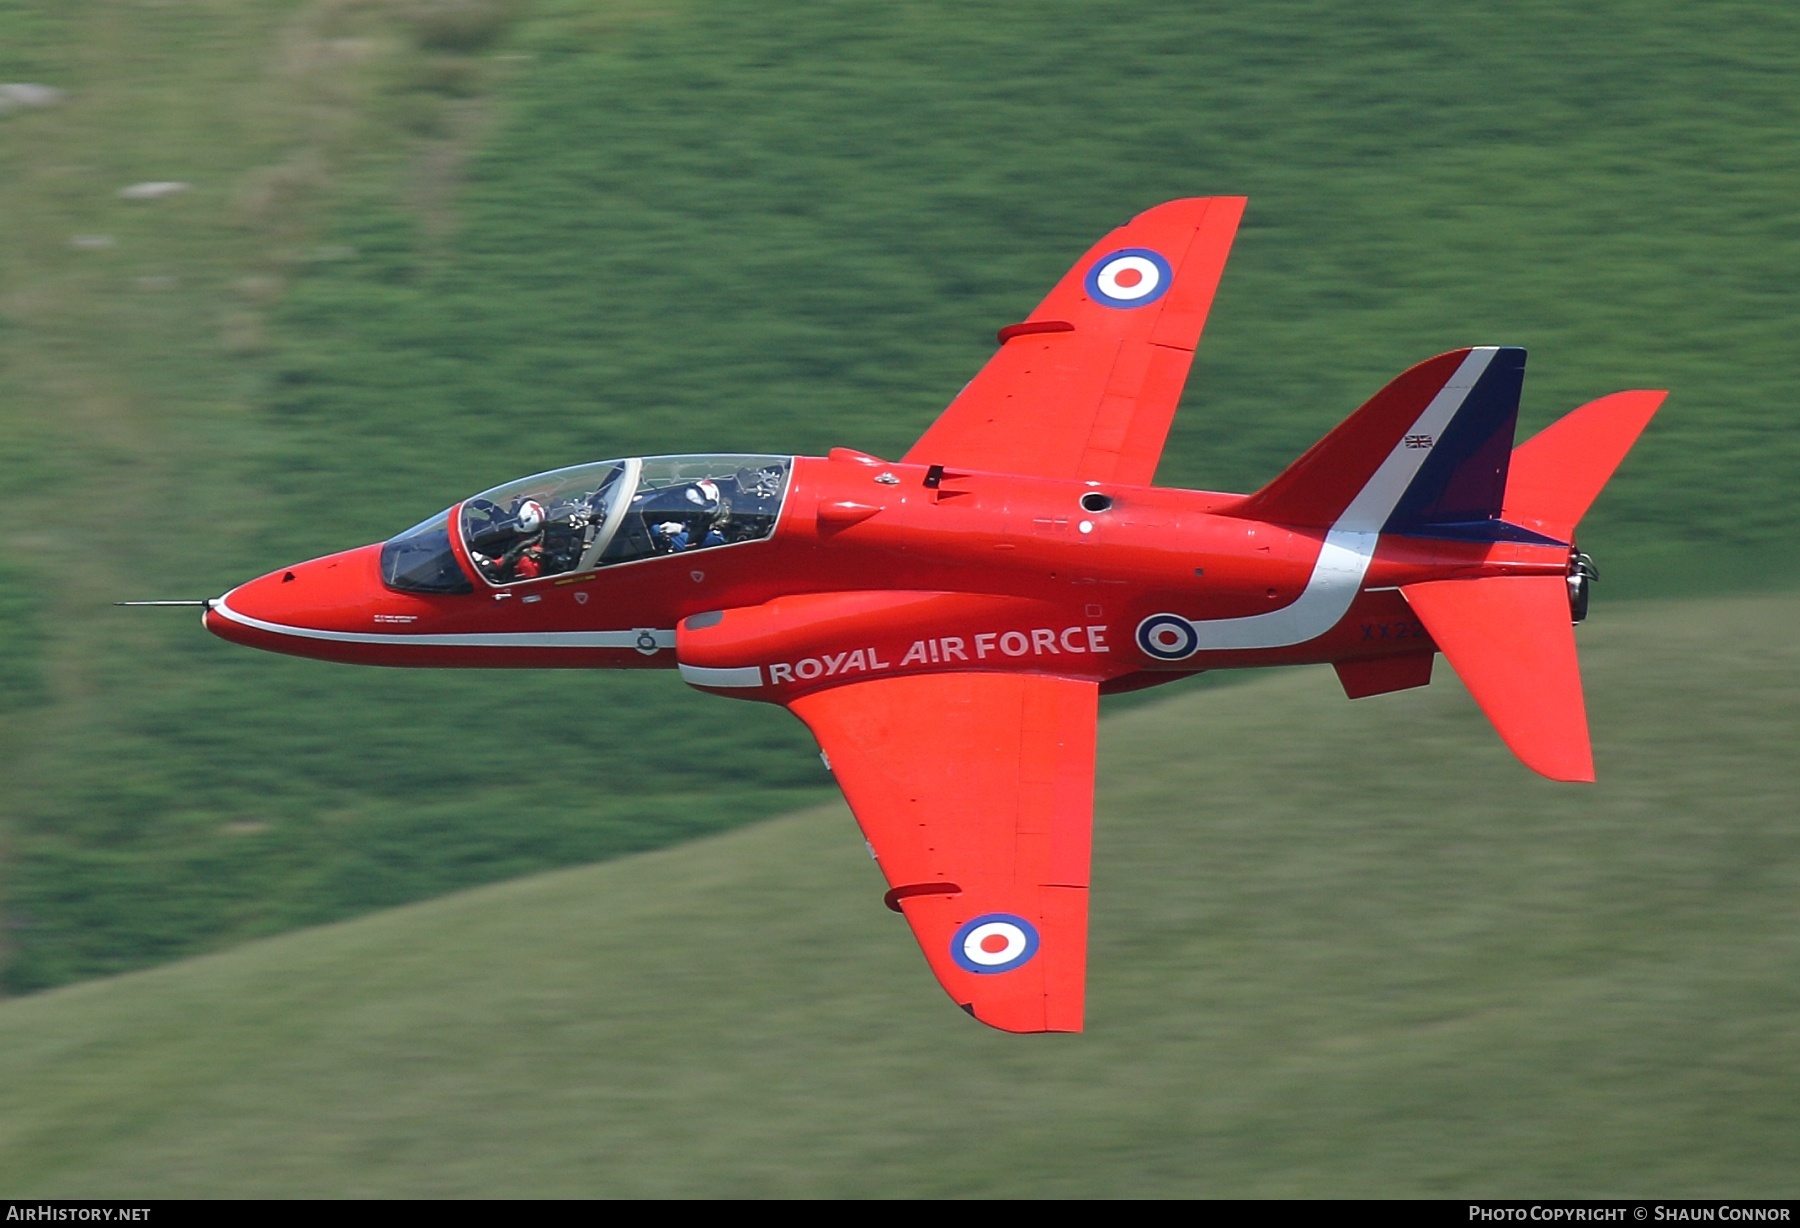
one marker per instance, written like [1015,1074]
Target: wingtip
[1028,1022]
[1198,205]
[1576,768]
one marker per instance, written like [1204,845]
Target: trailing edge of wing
[976,793]
[1087,385]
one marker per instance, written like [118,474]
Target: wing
[1086,386]
[976,793]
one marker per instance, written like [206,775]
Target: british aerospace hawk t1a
[945,623]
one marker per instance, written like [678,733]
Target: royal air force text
[946,650]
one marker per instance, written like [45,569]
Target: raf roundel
[1168,637]
[1130,277]
[996,942]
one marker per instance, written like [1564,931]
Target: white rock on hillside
[17,94]
[153,191]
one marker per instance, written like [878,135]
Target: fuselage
[872,567]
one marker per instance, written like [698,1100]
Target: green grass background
[430,246]
[1337,950]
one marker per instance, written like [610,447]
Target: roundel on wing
[1129,277]
[994,942]
[1168,637]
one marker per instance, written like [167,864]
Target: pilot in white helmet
[524,560]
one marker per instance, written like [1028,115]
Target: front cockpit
[591,516]
[420,560]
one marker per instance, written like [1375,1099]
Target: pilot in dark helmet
[704,497]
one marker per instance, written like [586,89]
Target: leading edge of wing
[1087,385]
[975,792]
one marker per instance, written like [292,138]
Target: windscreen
[420,560]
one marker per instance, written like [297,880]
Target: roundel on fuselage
[1168,637]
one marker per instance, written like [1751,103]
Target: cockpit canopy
[596,515]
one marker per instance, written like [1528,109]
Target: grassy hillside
[167,794]
[1338,949]
[429,246]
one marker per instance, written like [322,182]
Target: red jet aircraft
[946,623]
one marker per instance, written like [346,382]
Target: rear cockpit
[591,516]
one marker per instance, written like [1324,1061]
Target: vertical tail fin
[1427,455]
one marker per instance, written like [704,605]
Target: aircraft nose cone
[303,608]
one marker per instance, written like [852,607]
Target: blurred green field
[432,244]
[1338,949]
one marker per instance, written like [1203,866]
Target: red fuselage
[880,568]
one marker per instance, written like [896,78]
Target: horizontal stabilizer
[1556,474]
[1510,640]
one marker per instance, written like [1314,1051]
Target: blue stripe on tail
[1458,490]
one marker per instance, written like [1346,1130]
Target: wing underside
[976,793]
[1087,385]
